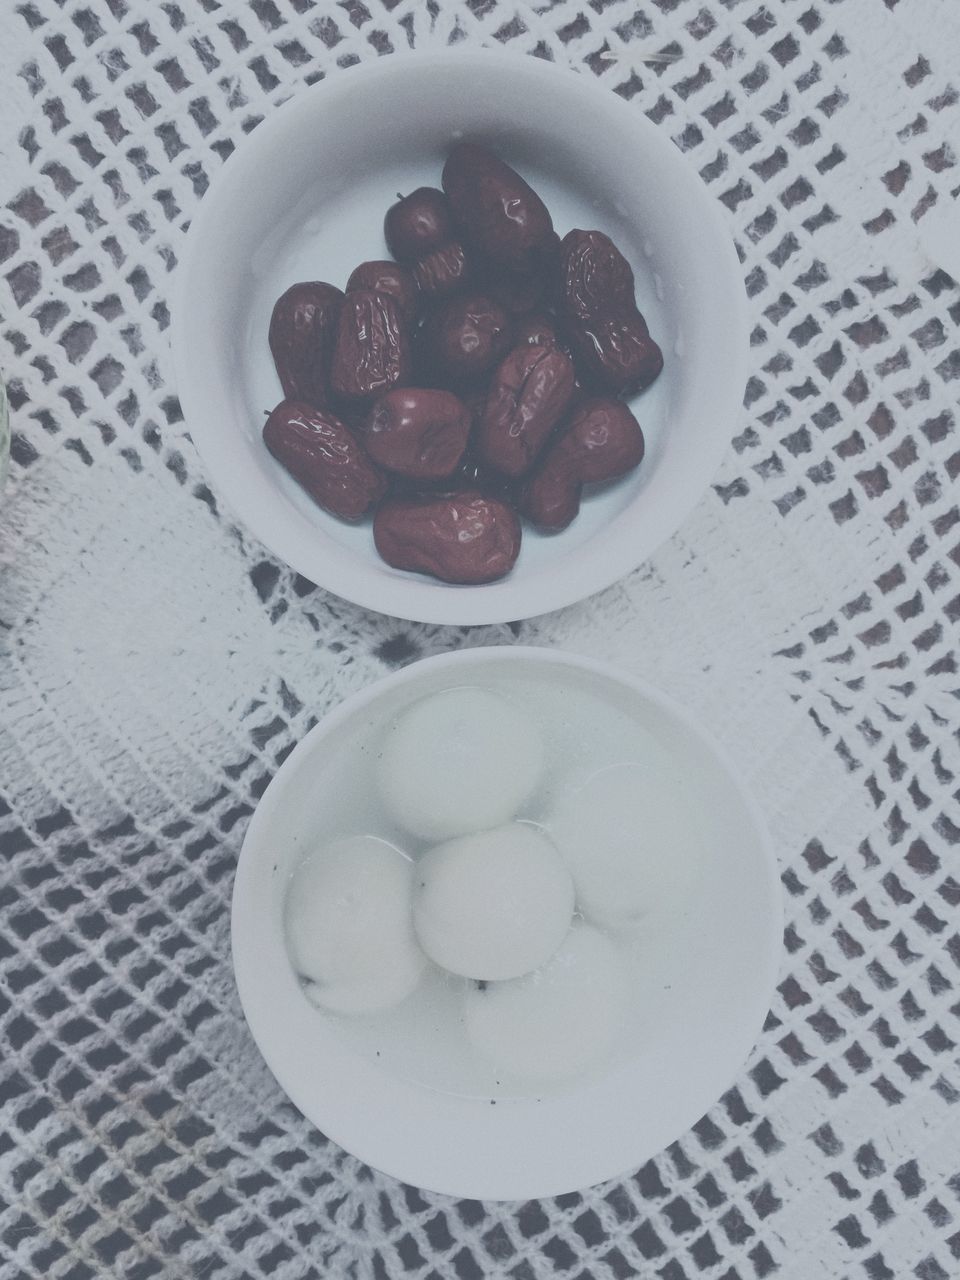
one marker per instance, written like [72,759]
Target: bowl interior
[705,975]
[304,198]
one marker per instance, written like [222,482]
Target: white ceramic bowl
[303,198]
[691,1043]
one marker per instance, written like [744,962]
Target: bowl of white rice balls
[506,923]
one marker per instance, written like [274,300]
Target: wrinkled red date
[602,441]
[303,329]
[417,224]
[540,330]
[501,215]
[466,337]
[387,277]
[325,457]
[529,392]
[444,271]
[372,353]
[466,537]
[418,432]
[609,336]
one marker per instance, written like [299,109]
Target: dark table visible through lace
[157,664]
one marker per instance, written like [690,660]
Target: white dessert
[493,905]
[458,762]
[556,765]
[349,926]
[559,1021]
[628,841]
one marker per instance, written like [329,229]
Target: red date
[387,277]
[540,330]
[418,432]
[501,215]
[466,337]
[602,441]
[609,336]
[466,537]
[303,329]
[528,394]
[417,224]
[325,457]
[372,354]
[444,271]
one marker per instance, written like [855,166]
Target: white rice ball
[630,842]
[493,905]
[559,1021]
[457,762]
[349,928]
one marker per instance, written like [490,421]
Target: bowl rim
[518,1126]
[588,568]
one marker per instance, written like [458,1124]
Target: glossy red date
[608,335]
[417,224]
[372,353]
[528,394]
[466,537]
[418,432]
[303,329]
[325,457]
[465,337]
[601,441]
[500,213]
[387,277]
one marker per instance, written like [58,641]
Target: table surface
[158,664]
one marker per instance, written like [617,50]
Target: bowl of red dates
[460,336]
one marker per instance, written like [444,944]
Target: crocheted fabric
[158,664]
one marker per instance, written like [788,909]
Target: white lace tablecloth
[157,664]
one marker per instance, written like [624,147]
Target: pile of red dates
[474,380]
